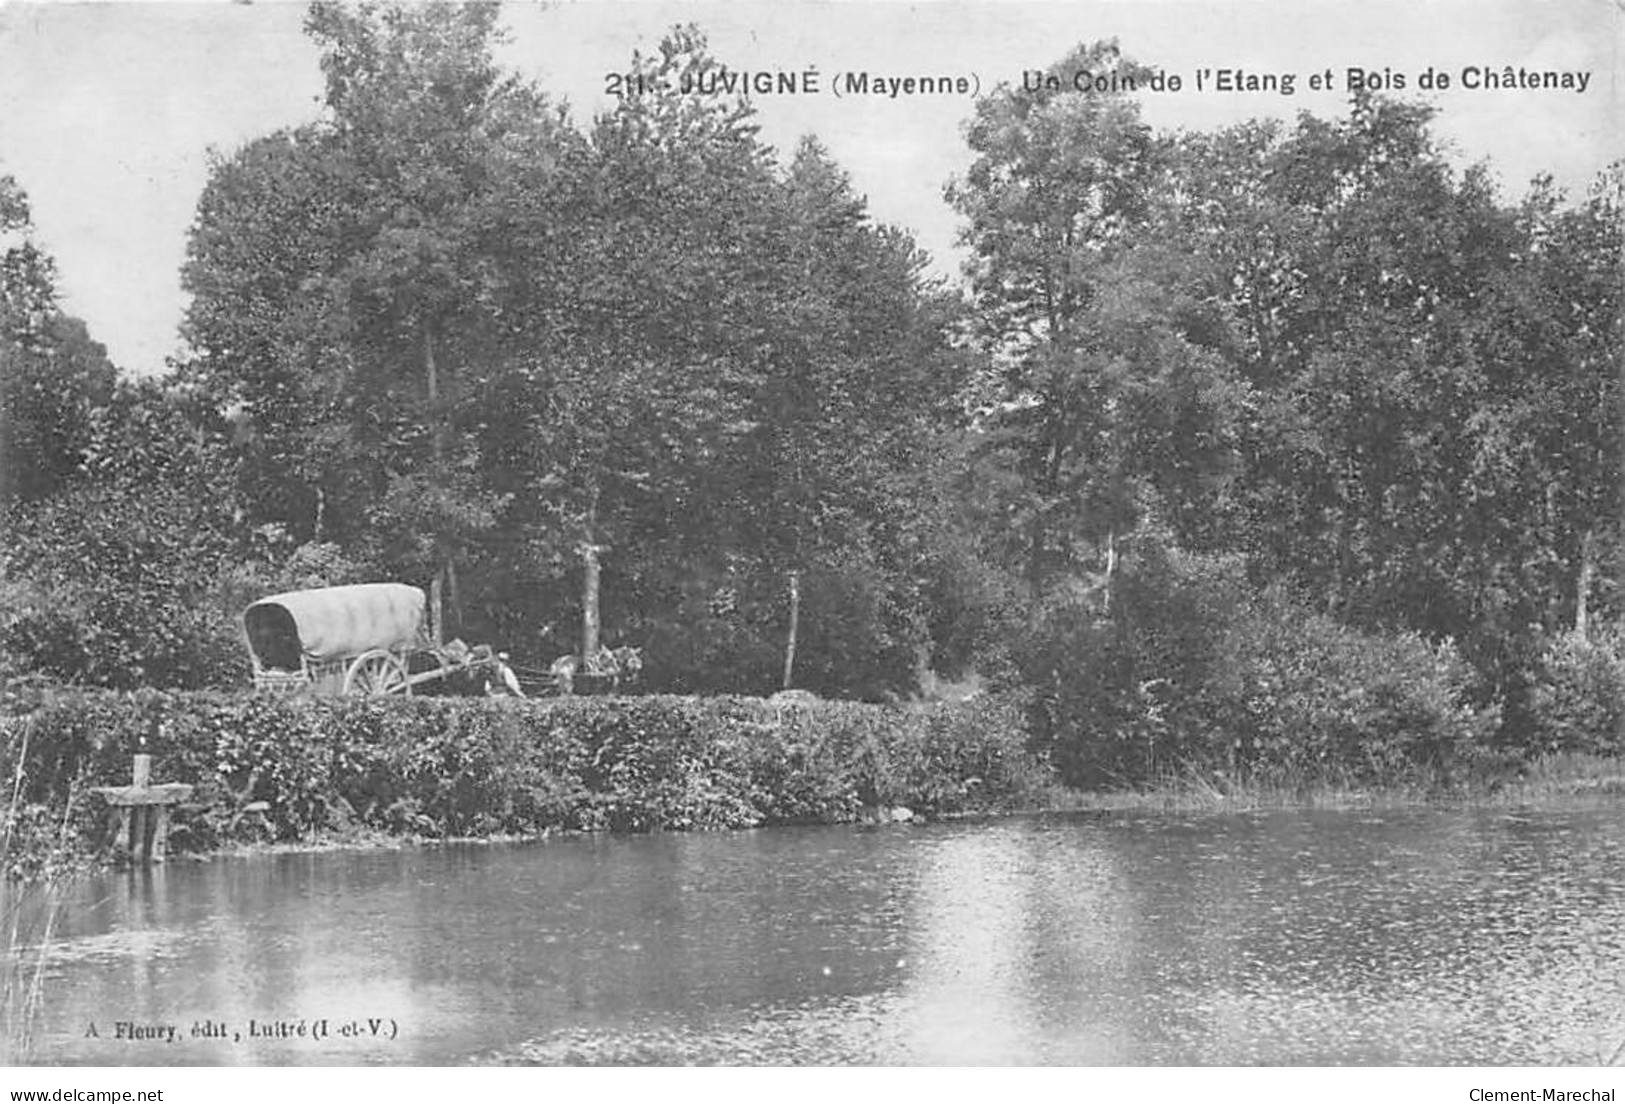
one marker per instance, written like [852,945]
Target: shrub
[116,586]
[1191,670]
[1577,696]
[1116,687]
[1301,696]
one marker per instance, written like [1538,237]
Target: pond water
[1394,937]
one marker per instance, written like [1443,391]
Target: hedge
[436,767]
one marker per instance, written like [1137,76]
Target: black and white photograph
[972,533]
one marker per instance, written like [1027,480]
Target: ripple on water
[847,1032]
[1427,937]
[145,944]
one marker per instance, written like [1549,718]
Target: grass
[1559,779]
[1574,772]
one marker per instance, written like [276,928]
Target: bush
[443,766]
[826,762]
[1192,671]
[117,586]
[1301,696]
[1577,696]
[1117,687]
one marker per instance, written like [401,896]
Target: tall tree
[1430,439]
[1107,405]
[461,334]
[861,383]
[52,374]
[370,349]
[1584,252]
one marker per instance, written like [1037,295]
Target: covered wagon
[367,638]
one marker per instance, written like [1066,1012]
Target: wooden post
[140,812]
[123,832]
[141,815]
[160,833]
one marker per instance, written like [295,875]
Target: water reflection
[1422,936]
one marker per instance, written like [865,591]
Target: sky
[109,112]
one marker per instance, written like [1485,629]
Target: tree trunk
[437,435]
[795,621]
[1111,569]
[1048,487]
[1582,590]
[589,601]
[1035,555]
[8,475]
[437,597]
[437,626]
[454,599]
[589,549]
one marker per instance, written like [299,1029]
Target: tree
[480,348]
[1318,345]
[859,383]
[1413,346]
[264,339]
[1108,404]
[125,577]
[1577,269]
[52,374]
[358,288]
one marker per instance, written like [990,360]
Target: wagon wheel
[376,672]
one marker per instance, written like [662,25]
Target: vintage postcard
[850,533]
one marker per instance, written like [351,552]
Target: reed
[1568,773]
[29,913]
[1186,786]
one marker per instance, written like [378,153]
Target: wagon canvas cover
[334,623]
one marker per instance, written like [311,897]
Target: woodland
[1291,446]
